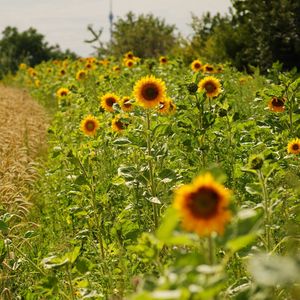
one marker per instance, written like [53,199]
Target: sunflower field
[162,180]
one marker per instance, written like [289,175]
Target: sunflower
[294,146]
[22,66]
[211,85]
[126,104]
[62,72]
[118,124]
[89,65]
[116,68]
[163,60]
[32,72]
[277,104]
[129,55]
[89,125]
[62,92]
[81,74]
[202,205]
[164,106]
[129,63]
[149,91]
[196,65]
[208,68]
[108,100]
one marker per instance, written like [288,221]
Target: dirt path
[23,125]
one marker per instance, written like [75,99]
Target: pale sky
[64,22]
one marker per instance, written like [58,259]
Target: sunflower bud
[256,162]
[192,88]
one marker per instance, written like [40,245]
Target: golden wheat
[23,125]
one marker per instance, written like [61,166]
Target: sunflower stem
[211,250]
[94,204]
[267,208]
[151,169]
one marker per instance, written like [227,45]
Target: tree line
[252,33]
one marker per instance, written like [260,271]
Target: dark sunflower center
[295,147]
[163,60]
[209,69]
[210,87]
[197,66]
[129,64]
[127,104]
[90,125]
[81,75]
[110,101]
[130,56]
[204,203]
[88,66]
[150,92]
[63,93]
[62,72]
[120,124]
[277,102]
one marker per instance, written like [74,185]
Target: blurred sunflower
[118,124]
[277,104]
[116,68]
[62,72]
[196,65]
[126,104]
[294,146]
[108,100]
[81,74]
[89,66]
[62,92]
[208,68]
[22,66]
[163,60]
[211,85]
[32,72]
[203,205]
[149,91]
[129,63]
[164,106]
[129,55]
[89,125]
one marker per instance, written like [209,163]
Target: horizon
[62,22]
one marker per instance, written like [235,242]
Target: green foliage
[146,35]
[107,228]
[254,34]
[26,47]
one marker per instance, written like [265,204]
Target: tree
[145,35]
[27,46]
[256,33]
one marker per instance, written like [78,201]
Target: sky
[64,22]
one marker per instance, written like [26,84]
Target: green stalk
[151,170]
[70,282]
[267,208]
[94,204]
[211,250]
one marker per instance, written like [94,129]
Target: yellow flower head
[276,104]
[62,92]
[22,66]
[108,100]
[81,75]
[129,63]
[203,205]
[196,65]
[37,83]
[129,55]
[163,60]
[116,68]
[164,106]
[89,66]
[149,91]
[32,72]
[126,104]
[118,124]
[62,72]
[294,146]
[208,68]
[89,125]
[211,85]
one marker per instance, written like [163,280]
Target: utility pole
[111,17]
